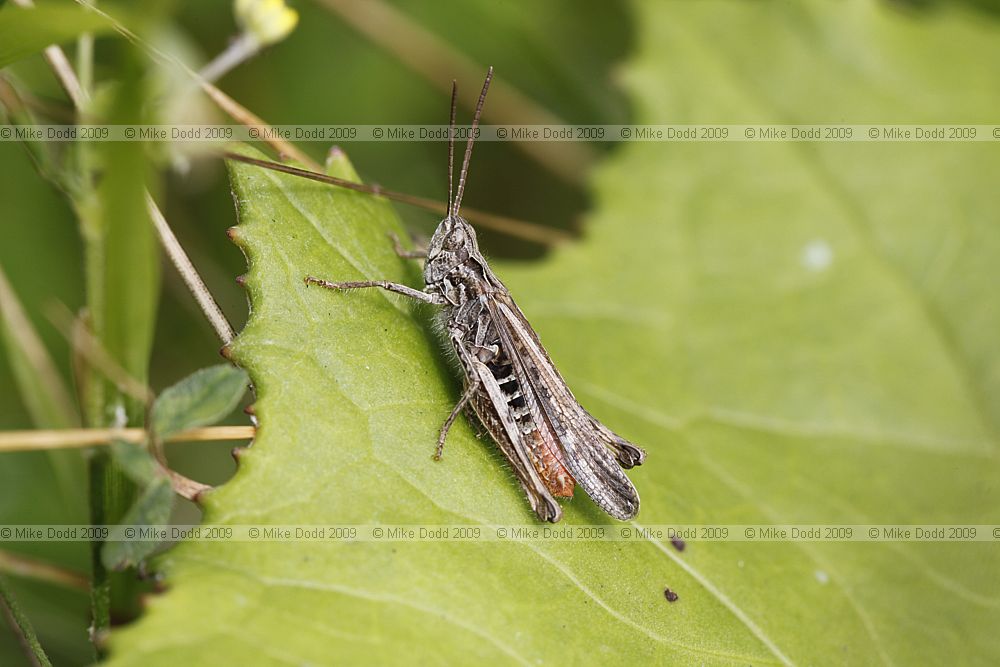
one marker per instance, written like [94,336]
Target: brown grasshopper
[550,440]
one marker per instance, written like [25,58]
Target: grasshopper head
[454,243]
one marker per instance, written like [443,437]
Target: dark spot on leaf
[670,595]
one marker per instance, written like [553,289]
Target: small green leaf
[26,31]
[204,397]
[136,461]
[152,508]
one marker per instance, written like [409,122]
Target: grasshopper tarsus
[312,280]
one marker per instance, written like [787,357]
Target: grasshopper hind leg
[463,402]
[474,421]
[546,508]
[466,357]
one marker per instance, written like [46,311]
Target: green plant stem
[111,494]
[22,627]
[122,281]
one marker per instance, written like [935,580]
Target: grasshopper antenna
[472,139]
[526,230]
[451,144]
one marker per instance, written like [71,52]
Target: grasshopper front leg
[416,253]
[427,297]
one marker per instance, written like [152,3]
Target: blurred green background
[564,56]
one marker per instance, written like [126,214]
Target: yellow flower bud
[269,21]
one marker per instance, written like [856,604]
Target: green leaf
[204,397]
[135,461]
[767,386]
[151,508]
[27,31]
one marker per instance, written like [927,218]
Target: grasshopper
[550,440]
